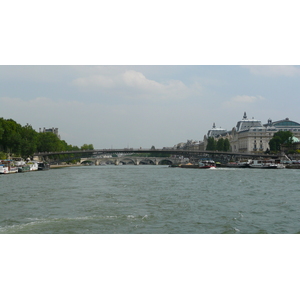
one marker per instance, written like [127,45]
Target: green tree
[279,138]
[87,147]
[10,141]
[220,144]
[23,141]
[49,142]
[211,144]
[29,140]
[1,129]
[226,145]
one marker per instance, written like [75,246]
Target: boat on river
[24,168]
[203,164]
[207,164]
[7,166]
[3,169]
[20,163]
[238,164]
[43,166]
[266,164]
[33,165]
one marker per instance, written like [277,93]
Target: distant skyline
[141,106]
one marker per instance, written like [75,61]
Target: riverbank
[64,166]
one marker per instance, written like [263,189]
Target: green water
[150,199]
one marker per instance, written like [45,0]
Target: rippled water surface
[150,199]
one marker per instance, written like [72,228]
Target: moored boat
[24,168]
[203,164]
[266,164]
[238,164]
[7,167]
[3,169]
[33,165]
[207,164]
[43,166]
[20,163]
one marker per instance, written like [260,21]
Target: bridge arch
[87,161]
[165,161]
[127,160]
[147,161]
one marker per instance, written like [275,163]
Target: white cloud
[95,81]
[242,101]
[274,71]
[246,99]
[135,84]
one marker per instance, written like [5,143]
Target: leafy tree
[280,138]
[226,145]
[275,143]
[87,147]
[2,155]
[29,140]
[23,141]
[1,130]
[49,142]
[211,144]
[220,144]
[11,136]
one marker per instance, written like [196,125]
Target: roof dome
[295,140]
[292,139]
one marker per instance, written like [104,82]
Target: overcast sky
[141,106]
[122,74]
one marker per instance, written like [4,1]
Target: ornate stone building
[251,136]
[214,132]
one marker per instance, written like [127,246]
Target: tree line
[24,141]
[220,145]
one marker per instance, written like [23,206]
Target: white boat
[266,164]
[7,167]
[33,165]
[3,169]
[239,164]
[207,164]
[203,164]
[19,161]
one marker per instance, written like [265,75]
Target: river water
[150,199]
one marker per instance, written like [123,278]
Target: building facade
[53,130]
[251,136]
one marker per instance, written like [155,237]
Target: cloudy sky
[122,74]
[140,106]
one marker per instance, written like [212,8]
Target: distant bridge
[154,152]
[132,160]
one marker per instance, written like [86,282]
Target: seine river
[150,200]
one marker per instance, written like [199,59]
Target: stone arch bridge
[132,160]
[192,155]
